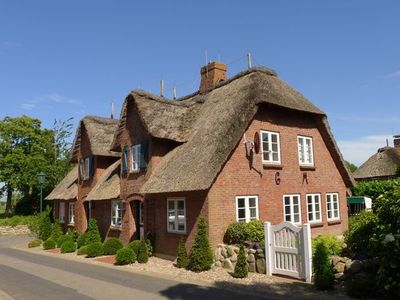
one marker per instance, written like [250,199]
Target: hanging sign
[256,142]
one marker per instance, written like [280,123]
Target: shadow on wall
[229,290]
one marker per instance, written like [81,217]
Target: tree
[201,257]
[241,269]
[182,261]
[352,167]
[323,269]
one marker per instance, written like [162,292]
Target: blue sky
[61,59]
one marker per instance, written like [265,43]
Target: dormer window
[86,168]
[125,159]
[136,163]
[81,168]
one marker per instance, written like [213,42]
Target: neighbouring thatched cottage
[383,165]
[244,148]
[64,197]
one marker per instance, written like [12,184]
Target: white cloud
[359,150]
[50,98]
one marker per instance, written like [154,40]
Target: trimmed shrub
[45,228]
[111,246]
[334,245]
[323,269]
[254,231]
[82,250]
[34,243]
[125,256]
[201,257]
[134,245]
[241,270]
[149,248]
[62,239]
[68,246]
[240,232]
[73,233]
[56,232]
[143,256]
[94,249]
[183,260]
[82,240]
[49,244]
[93,232]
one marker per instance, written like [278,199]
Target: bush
[82,250]
[111,246]
[45,228]
[183,260]
[94,249]
[93,232]
[254,231]
[49,244]
[323,269]
[125,256]
[82,240]
[62,239]
[143,256]
[334,245]
[17,220]
[149,248]
[201,257]
[73,233]
[68,246]
[34,243]
[56,232]
[241,270]
[240,232]
[134,245]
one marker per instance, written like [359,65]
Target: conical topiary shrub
[323,269]
[57,231]
[93,234]
[45,225]
[201,257]
[241,269]
[183,259]
[143,256]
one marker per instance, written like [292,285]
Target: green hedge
[333,244]
[111,246]
[125,256]
[68,246]
[94,249]
[240,232]
[183,260]
[134,245]
[49,244]
[64,238]
[143,255]
[323,269]
[201,257]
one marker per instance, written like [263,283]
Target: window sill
[315,225]
[177,232]
[272,166]
[117,228]
[305,167]
[71,224]
[334,222]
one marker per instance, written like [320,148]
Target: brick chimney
[212,74]
[396,141]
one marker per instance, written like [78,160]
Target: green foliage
[94,249]
[34,243]
[183,260]
[125,256]
[201,257]
[56,232]
[82,250]
[16,220]
[45,228]
[323,269]
[61,239]
[241,269]
[359,238]
[134,245]
[93,232]
[334,245]
[149,247]
[373,189]
[68,246]
[73,233]
[240,232]
[49,244]
[352,167]
[82,240]
[111,246]
[143,256]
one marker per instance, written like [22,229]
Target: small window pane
[252,202]
[241,213]
[241,202]
[274,138]
[253,213]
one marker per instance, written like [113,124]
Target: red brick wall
[237,178]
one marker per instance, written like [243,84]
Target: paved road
[25,275]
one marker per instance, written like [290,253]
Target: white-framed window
[332,206]
[270,147]
[292,208]
[87,168]
[176,215]
[61,212]
[125,159]
[135,166]
[71,213]
[314,208]
[116,213]
[246,208]
[81,169]
[305,148]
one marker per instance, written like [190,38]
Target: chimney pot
[212,74]
[396,141]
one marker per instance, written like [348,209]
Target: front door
[139,221]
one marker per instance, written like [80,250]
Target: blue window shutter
[144,154]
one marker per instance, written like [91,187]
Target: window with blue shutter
[144,155]
[136,157]
[125,156]
[91,167]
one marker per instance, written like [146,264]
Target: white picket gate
[288,250]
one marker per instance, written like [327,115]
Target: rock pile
[226,257]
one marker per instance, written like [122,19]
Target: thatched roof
[100,132]
[210,125]
[382,164]
[108,185]
[67,188]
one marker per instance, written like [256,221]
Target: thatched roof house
[67,188]
[108,185]
[100,132]
[382,165]
[209,125]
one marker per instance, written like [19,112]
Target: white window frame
[247,208]
[291,214]
[301,146]
[313,208]
[135,158]
[329,198]
[270,161]
[61,212]
[176,220]
[114,213]
[71,213]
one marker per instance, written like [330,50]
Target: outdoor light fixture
[41,178]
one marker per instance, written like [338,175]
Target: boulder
[230,250]
[233,258]
[260,265]
[218,264]
[217,254]
[228,264]
[339,267]
[339,276]
[252,267]
[251,258]
[354,266]
[236,249]
[335,259]
[252,251]
[224,253]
